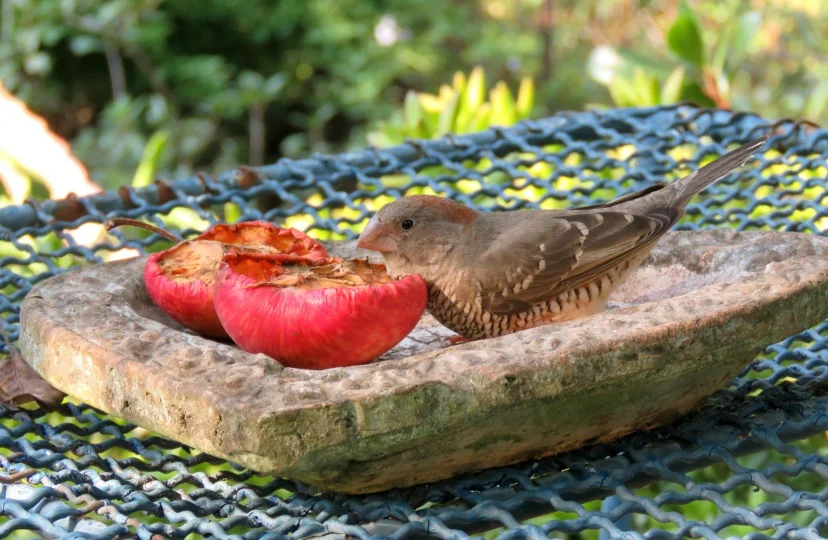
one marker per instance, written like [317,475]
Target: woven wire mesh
[752,462]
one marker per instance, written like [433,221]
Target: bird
[490,274]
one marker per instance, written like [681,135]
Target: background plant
[170,87]
[465,106]
[715,65]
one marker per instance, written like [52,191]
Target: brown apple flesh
[180,280]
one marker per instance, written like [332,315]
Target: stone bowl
[695,314]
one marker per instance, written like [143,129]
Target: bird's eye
[407,224]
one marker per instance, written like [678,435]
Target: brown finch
[494,273]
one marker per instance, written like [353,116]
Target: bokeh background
[99,94]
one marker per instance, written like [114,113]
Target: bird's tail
[681,191]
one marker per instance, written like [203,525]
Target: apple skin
[316,328]
[190,302]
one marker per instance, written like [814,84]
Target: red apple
[180,280]
[315,314]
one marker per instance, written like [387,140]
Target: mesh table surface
[752,462]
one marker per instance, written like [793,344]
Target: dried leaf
[20,384]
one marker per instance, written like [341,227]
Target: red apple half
[180,279]
[314,314]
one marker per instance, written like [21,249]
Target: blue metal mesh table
[752,462]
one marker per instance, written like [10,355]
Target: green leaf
[446,94]
[646,88]
[685,37]
[431,107]
[476,88]
[184,218]
[623,92]
[693,92]
[526,97]
[447,115]
[459,82]
[471,97]
[430,103]
[671,89]
[232,212]
[412,111]
[744,35]
[480,121]
[153,152]
[503,105]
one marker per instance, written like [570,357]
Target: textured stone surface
[698,311]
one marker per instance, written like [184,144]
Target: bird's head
[419,229]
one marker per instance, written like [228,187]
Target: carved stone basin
[697,312]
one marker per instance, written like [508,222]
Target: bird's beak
[373,237]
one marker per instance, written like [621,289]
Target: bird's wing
[626,198]
[554,254]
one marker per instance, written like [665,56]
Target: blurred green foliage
[460,108]
[720,64]
[192,85]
